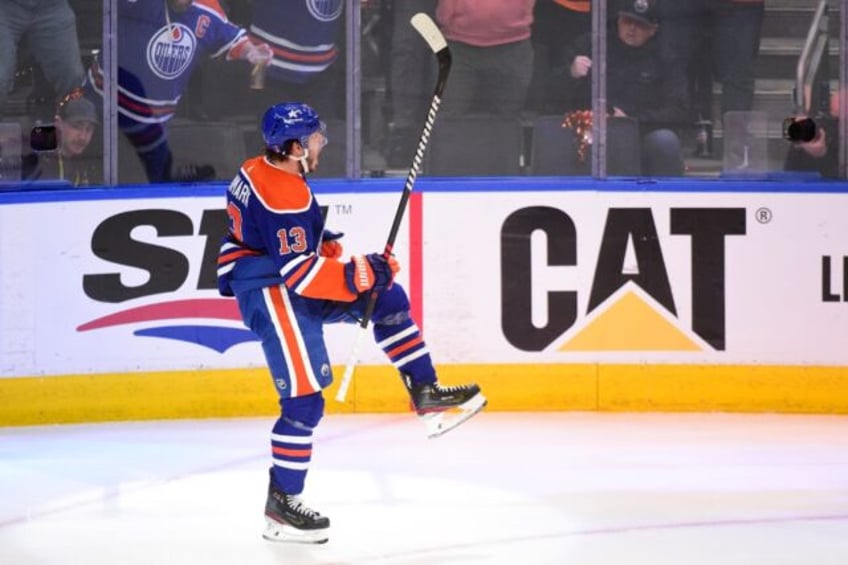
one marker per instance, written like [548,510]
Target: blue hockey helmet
[289,121]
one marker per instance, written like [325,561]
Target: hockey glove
[370,272]
[331,235]
[330,246]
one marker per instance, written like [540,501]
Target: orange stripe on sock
[292,452]
[404,347]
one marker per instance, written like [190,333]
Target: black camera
[799,130]
[43,138]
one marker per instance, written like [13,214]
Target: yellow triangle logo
[630,324]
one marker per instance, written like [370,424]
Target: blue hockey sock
[291,451]
[291,440]
[404,345]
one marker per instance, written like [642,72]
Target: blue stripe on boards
[40,192]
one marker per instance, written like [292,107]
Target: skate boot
[442,408]
[288,519]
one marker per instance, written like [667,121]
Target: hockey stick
[425,26]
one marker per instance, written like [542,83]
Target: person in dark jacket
[553,20]
[63,151]
[641,85]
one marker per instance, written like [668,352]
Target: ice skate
[443,408]
[288,519]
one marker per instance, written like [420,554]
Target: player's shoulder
[278,191]
[211,7]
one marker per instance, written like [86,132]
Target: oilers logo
[171,50]
[325,10]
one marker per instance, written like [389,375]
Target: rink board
[376,389]
[553,294]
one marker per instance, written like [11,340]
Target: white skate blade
[277,532]
[440,423]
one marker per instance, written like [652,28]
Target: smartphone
[43,138]
[799,130]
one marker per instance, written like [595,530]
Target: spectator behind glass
[62,151]
[716,40]
[737,26]
[49,27]
[821,154]
[640,84]
[76,122]
[492,55]
[304,37]
[411,85]
[159,45]
[553,20]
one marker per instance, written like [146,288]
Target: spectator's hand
[580,66]
[259,53]
[818,146]
[618,112]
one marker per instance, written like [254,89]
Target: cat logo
[630,305]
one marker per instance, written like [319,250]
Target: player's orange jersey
[275,233]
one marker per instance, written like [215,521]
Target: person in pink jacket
[492,55]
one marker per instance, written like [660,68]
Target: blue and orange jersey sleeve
[221,35]
[292,224]
[231,251]
[317,277]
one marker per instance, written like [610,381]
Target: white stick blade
[425,25]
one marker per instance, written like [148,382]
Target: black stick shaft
[417,160]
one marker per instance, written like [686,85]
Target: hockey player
[285,271]
[160,43]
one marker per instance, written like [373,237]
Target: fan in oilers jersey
[305,37]
[287,275]
[159,45]
[302,36]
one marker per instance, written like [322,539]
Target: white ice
[511,488]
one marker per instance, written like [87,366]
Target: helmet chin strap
[302,160]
